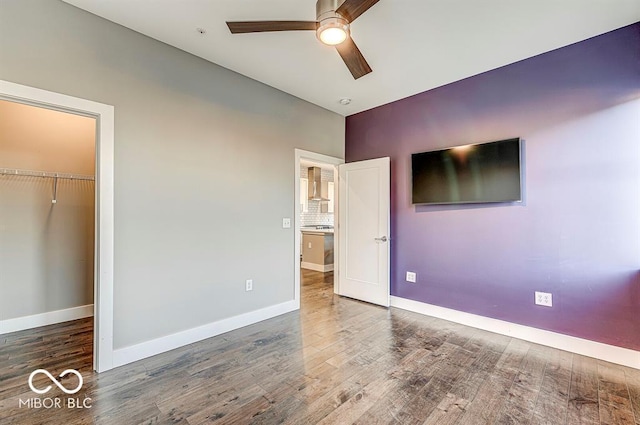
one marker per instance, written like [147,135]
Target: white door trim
[325,159]
[103,274]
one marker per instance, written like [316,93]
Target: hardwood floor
[337,361]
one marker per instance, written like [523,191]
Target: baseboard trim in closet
[44,319]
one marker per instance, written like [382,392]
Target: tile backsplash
[314,215]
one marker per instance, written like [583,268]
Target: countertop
[316,231]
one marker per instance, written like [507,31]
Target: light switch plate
[286,223]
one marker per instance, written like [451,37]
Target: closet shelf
[48,174]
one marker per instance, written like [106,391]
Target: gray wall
[196,148]
[46,250]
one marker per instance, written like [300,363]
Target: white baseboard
[146,349]
[609,353]
[44,319]
[317,267]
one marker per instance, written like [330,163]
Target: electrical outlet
[411,277]
[249,285]
[544,298]
[286,223]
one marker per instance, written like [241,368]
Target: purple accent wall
[577,235]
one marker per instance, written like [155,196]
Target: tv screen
[486,172]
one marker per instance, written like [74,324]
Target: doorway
[103,204]
[362,227]
[317,240]
[47,209]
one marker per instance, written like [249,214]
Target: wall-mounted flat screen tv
[486,172]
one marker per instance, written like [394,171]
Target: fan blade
[267,26]
[352,57]
[351,9]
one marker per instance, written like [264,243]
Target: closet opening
[48,230]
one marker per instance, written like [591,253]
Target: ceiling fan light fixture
[333,31]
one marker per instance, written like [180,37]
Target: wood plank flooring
[336,361]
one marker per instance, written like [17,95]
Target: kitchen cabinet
[304,195]
[317,251]
[330,195]
[328,190]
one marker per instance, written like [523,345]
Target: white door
[364,230]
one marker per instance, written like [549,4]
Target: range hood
[315,184]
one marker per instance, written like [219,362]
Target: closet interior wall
[46,248]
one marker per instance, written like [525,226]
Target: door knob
[382,239]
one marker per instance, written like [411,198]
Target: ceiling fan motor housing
[327,9]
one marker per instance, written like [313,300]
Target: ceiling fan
[333,18]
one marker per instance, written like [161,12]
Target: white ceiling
[412,45]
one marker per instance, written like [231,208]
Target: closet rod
[29,173]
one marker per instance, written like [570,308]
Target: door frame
[324,159]
[104,211]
